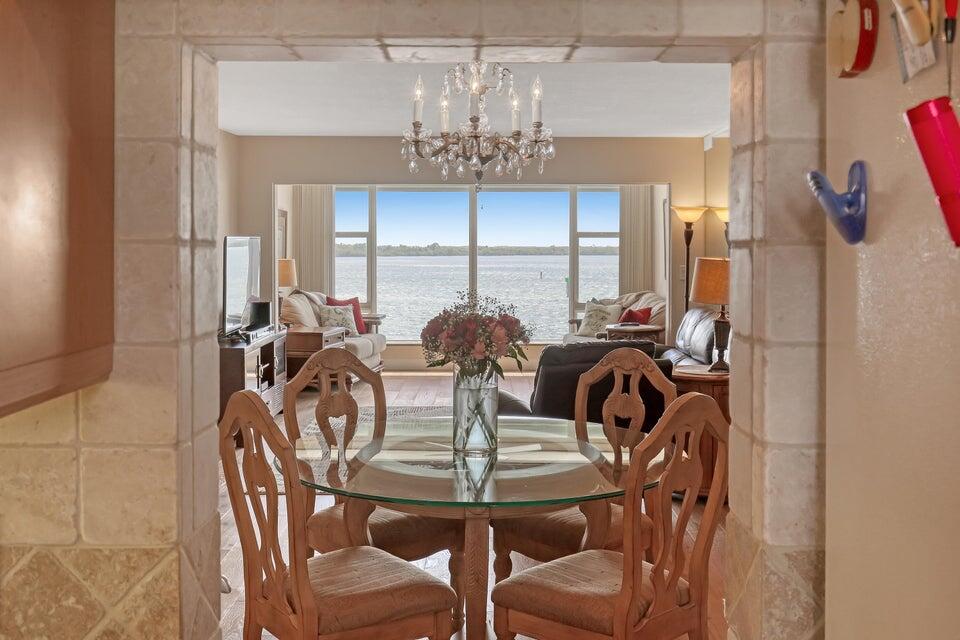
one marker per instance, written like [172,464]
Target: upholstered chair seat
[406,536]
[577,591]
[551,535]
[365,587]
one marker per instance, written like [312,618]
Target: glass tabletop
[539,462]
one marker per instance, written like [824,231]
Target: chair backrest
[654,527]
[624,402]
[326,368]
[278,591]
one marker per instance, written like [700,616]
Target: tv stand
[260,366]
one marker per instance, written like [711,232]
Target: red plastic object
[937,133]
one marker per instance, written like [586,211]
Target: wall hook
[847,211]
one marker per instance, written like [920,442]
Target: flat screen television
[241,280]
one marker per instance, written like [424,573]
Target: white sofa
[297,310]
[638,300]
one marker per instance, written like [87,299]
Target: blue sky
[504,217]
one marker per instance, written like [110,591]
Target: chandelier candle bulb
[445,109]
[515,111]
[536,93]
[418,100]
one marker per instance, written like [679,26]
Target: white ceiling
[633,99]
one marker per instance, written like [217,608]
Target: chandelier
[474,146]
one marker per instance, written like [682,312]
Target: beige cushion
[407,536]
[296,311]
[364,586]
[578,591]
[561,530]
[366,345]
[331,316]
[597,316]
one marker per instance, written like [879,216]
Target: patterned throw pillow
[596,317]
[330,316]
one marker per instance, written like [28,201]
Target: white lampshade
[689,214]
[723,213]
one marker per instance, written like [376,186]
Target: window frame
[574,305]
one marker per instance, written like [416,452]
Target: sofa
[638,300]
[297,309]
[694,341]
[559,370]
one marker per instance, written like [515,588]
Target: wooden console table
[260,366]
[715,384]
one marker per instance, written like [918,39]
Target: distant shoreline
[359,250]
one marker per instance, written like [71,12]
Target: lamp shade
[711,281]
[286,272]
[689,214]
[723,213]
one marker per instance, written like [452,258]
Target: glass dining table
[408,465]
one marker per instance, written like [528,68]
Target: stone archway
[167,261]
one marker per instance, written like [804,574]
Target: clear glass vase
[474,413]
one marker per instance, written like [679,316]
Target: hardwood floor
[434,388]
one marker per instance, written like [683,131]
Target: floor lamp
[688,215]
[723,215]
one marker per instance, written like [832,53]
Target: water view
[413,289]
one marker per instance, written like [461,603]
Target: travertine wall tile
[185,287]
[740,488]
[203,551]
[39,496]
[9,556]
[793,395]
[206,130]
[185,217]
[616,54]
[110,572]
[329,17]
[147,81]
[420,18]
[339,54]
[197,617]
[741,291]
[733,18]
[795,17]
[204,195]
[789,611]
[793,295]
[129,496]
[51,422]
[741,101]
[206,383]
[185,487]
[741,195]
[793,486]
[43,600]
[702,53]
[146,190]
[206,289]
[147,296]
[619,18]
[515,54]
[542,18]
[228,17]
[206,479]
[152,609]
[741,387]
[793,215]
[146,17]
[187,53]
[795,77]
[185,392]
[412,54]
[138,404]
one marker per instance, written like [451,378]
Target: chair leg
[457,582]
[441,627]
[500,624]
[502,564]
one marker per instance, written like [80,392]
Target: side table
[303,342]
[715,384]
[633,332]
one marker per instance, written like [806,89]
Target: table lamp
[286,272]
[688,215]
[711,285]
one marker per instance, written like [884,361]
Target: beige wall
[266,161]
[716,178]
[893,330]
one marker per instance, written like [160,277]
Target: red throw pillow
[357,314]
[640,316]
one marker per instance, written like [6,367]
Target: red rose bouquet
[474,334]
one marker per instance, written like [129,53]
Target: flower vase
[474,413]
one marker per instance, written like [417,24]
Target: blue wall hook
[847,211]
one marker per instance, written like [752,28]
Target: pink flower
[500,340]
[479,350]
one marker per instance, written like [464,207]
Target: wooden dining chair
[407,536]
[359,592]
[603,594]
[548,536]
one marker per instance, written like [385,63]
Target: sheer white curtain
[636,237]
[314,242]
